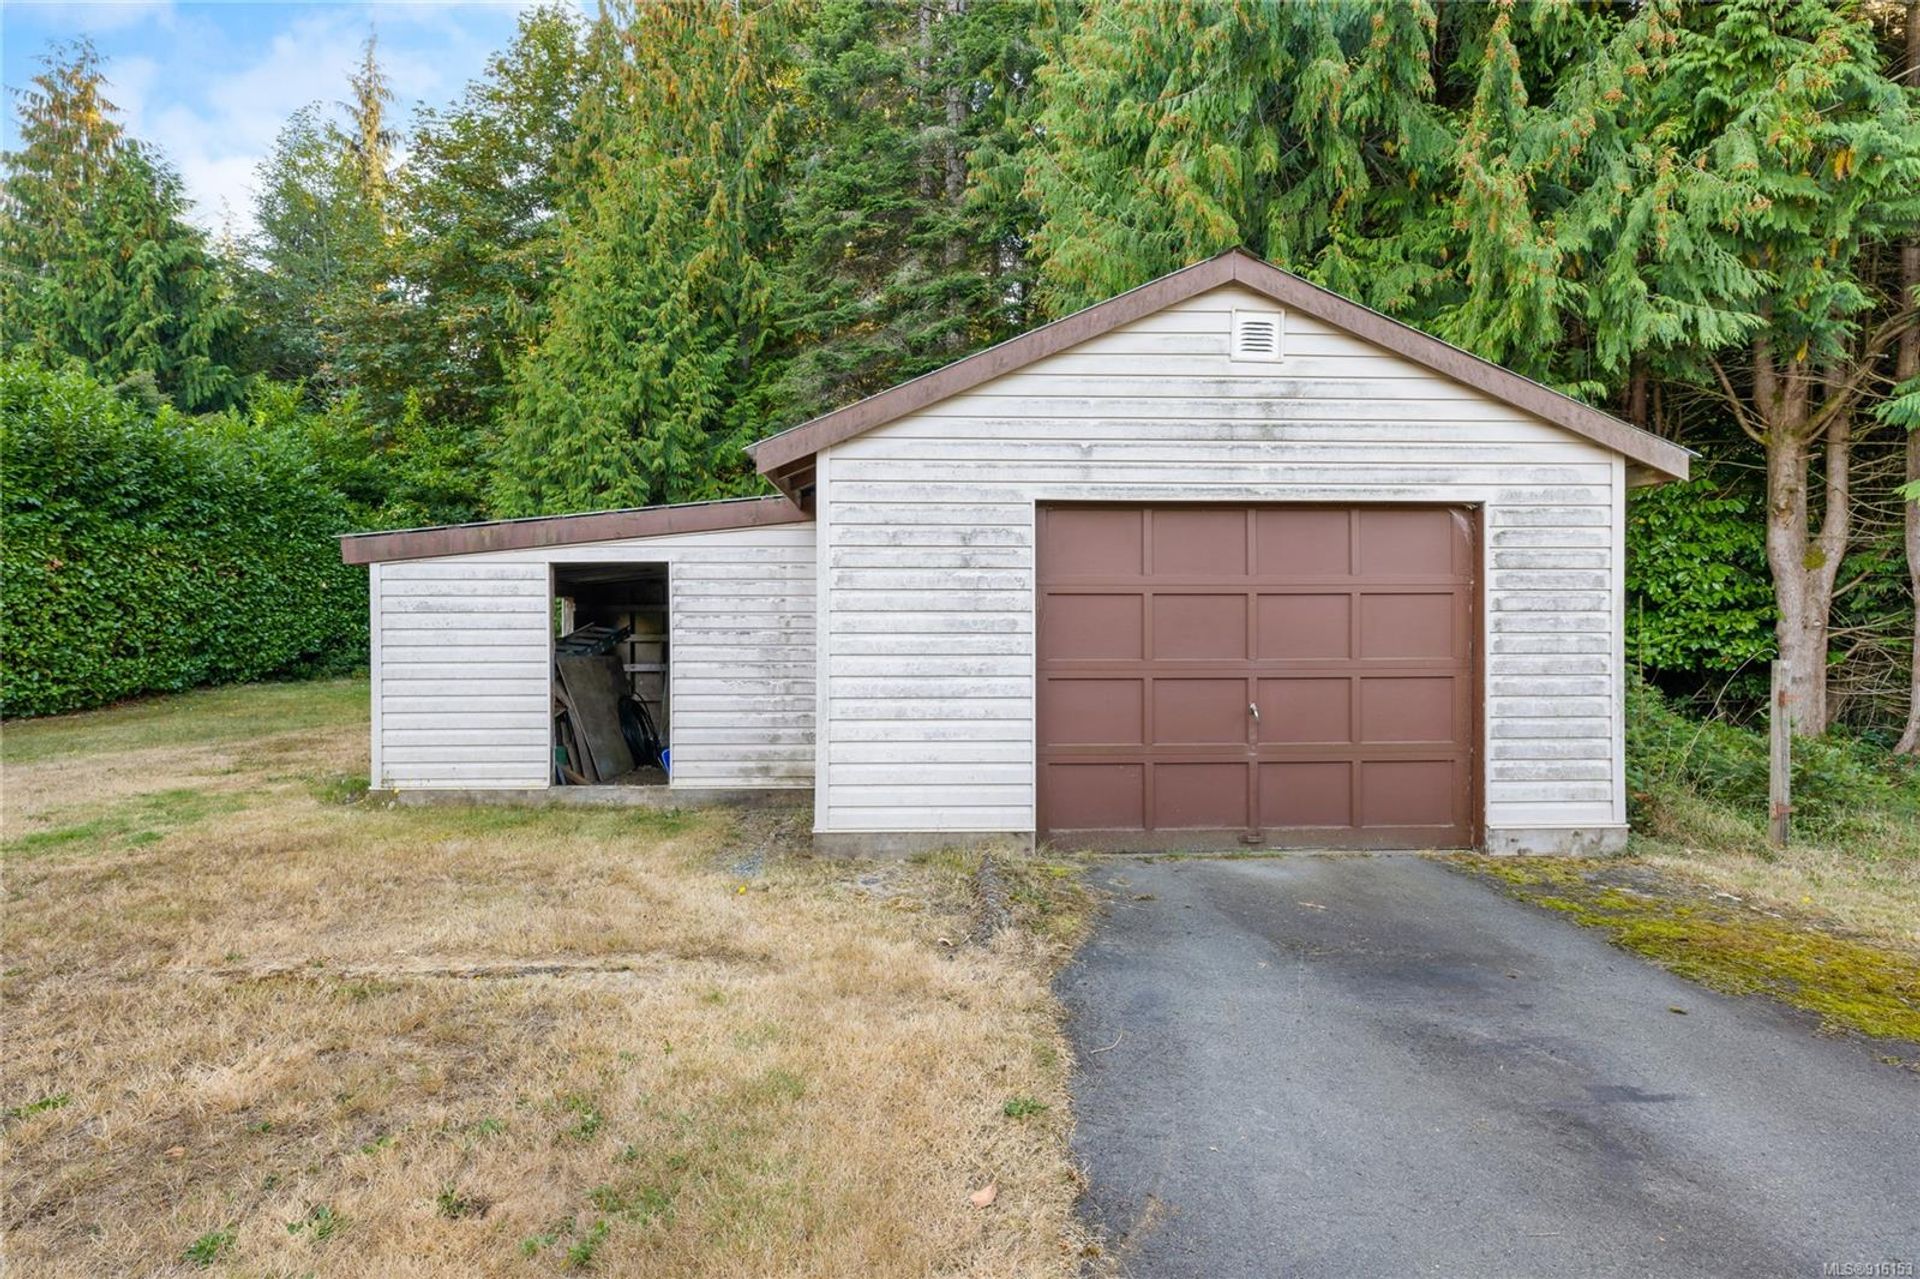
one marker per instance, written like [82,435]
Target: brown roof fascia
[1661,458]
[564,530]
[795,479]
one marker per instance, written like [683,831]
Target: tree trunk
[929,169]
[1909,743]
[956,105]
[1637,395]
[1907,366]
[1799,635]
[1828,548]
[1804,563]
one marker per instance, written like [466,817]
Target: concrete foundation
[1580,841]
[1567,841]
[907,843]
[604,797]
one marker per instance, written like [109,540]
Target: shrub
[1838,780]
[146,551]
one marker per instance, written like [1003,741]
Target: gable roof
[787,458]
[565,530]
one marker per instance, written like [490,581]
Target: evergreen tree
[371,142]
[896,263]
[1779,161]
[325,299]
[371,315]
[648,379]
[97,261]
[1510,289]
[1170,130]
[309,231]
[1903,409]
[73,136]
[490,183]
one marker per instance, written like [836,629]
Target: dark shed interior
[611,646]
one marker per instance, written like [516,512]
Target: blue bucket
[666,761]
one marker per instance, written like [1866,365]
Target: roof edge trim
[568,530]
[1663,458]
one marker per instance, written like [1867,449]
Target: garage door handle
[1254,710]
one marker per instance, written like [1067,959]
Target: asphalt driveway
[1377,1066]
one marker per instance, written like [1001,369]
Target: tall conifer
[646,383]
[896,261]
[97,260]
[1172,129]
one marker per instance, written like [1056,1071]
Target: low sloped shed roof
[787,458]
[561,530]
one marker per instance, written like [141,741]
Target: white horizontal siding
[926,553]
[460,674]
[462,660]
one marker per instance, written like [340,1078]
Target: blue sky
[211,83]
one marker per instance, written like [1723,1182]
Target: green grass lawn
[205,717]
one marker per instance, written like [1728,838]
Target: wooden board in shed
[594,687]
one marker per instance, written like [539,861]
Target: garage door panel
[1199,627]
[1077,627]
[1409,626]
[1408,792]
[1410,709]
[1200,541]
[1200,796]
[1306,542]
[1211,712]
[1305,711]
[1095,796]
[1092,712]
[1351,628]
[1404,541]
[1094,541]
[1304,627]
[1311,794]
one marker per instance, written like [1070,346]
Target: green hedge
[148,552]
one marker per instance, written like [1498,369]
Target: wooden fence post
[1780,759]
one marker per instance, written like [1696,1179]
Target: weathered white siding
[926,549]
[460,674]
[462,644]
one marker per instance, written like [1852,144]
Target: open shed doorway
[612,675]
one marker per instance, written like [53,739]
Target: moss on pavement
[1725,943]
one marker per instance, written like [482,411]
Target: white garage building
[1226,560]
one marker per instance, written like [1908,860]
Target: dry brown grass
[253,1030]
[1868,884]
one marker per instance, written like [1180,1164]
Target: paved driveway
[1376,1066]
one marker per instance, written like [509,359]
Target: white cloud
[214,111]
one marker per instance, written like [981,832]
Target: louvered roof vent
[1258,335]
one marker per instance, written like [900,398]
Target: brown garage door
[1281,675]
